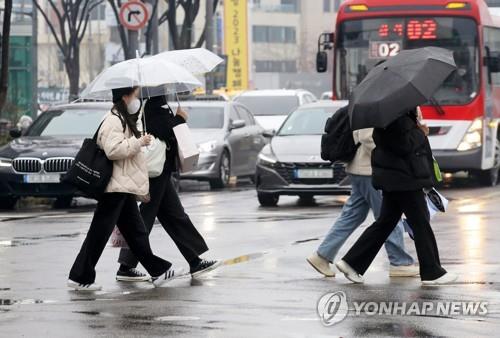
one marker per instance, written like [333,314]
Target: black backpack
[337,144]
[91,171]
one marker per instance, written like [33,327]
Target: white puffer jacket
[362,162]
[130,173]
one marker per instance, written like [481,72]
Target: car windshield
[70,122]
[362,44]
[269,105]
[205,117]
[307,121]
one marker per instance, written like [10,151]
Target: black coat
[160,123]
[402,159]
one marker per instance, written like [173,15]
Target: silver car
[291,163]
[228,138]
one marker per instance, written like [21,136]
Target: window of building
[336,5]
[274,34]
[291,5]
[275,66]
[326,6]
[98,13]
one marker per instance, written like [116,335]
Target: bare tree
[68,21]
[183,39]
[4,73]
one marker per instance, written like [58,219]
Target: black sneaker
[203,267]
[131,275]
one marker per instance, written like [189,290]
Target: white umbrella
[158,76]
[195,60]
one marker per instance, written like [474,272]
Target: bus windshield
[362,44]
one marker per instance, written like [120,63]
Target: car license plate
[42,178]
[314,173]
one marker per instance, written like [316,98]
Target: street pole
[133,44]
[34,58]
[209,42]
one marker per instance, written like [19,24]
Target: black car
[32,164]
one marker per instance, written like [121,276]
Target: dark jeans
[394,204]
[166,205]
[120,209]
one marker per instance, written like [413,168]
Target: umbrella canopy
[195,60]
[402,82]
[161,76]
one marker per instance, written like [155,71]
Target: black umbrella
[402,82]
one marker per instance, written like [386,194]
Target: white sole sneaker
[168,276]
[132,279]
[349,272]
[404,271]
[321,265]
[447,278]
[83,287]
[210,268]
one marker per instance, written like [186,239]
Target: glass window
[205,117]
[307,121]
[492,41]
[246,115]
[326,5]
[274,34]
[71,122]
[336,5]
[269,105]
[362,44]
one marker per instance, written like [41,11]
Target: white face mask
[134,106]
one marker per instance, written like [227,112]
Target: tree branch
[51,27]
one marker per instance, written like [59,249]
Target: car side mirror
[237,124]
[321,61]
[15,133]
[269,133]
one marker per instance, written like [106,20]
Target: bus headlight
[473,138]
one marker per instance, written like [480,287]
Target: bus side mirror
[325,42]
[493,62]
[321,61]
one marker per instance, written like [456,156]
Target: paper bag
[187,149]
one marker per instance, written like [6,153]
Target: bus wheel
[490,177]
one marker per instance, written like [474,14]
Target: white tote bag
[155,153]
[186,147]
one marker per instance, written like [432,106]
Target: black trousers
[394,204]
[120,209]
[166,205]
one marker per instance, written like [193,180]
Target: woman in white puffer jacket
[121,141]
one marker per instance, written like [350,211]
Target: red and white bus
[464,116]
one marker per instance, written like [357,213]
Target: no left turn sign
[134,15]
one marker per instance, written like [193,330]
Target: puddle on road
[24,241]
[8,302]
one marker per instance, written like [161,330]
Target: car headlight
[5,162]
[267,158]
[473,138]
[207,147]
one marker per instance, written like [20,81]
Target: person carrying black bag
[121,141]
[165,203]
[402,168]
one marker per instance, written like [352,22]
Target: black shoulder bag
[91,170]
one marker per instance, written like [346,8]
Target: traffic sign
[134,15]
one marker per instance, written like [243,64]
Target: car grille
[27,165]
[287,171]
[57,165]
[35,165]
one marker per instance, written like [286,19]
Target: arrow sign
[134,15]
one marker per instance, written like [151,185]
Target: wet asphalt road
[265,287]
